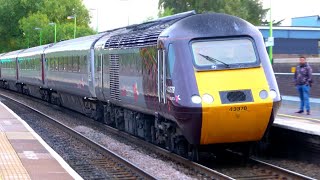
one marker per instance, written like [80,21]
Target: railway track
[254,169]
[268,171]
[113,165]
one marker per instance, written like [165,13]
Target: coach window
[65,63]
[37,64]
[33,64]
[75,64]
[69,64]
[56,64]
[83,64]
[60,63]
[52,64]
[170,61]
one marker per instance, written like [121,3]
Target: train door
[162,77]
[17,68]
[43,63]
[99,74]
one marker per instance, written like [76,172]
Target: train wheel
[181,148]
[194,156]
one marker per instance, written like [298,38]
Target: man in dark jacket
[303,80]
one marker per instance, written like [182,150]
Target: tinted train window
[170,61]
[83,64]
[75,63]
[224,54]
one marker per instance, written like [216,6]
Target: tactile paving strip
[10,164]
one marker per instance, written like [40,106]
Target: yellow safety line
[298,117]
[11,166]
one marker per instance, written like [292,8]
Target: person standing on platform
[303,81]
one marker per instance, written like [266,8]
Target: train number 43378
[239,108]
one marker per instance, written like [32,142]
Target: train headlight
[196,99]
[273,94]
[207,98]
[263,94]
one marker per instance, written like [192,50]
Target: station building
[301,38]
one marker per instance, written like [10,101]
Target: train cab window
[170,61]
[224,54]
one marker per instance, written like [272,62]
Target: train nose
[241,108]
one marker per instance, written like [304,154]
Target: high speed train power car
[181,82]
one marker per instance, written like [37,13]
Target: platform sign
[269,42]
[293,69]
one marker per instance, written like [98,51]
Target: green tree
[250,10]
[18,19]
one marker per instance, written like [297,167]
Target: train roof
[11,55]
[78,44]
[34,50]
[143,34]
[100,44]
[210,25]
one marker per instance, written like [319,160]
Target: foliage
[19,18]
[250,10]
[166,12]
[274,23]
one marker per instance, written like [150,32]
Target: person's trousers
[304,96]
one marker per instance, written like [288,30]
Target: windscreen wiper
[214,60]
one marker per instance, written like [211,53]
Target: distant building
[302,38]
[310,21]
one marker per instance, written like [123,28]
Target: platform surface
[24,155]
[288,119]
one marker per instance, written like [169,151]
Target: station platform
[288,119]
[24,155]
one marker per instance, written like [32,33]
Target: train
[182,82]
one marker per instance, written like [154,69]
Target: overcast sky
[117,13]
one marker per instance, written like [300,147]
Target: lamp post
[75,24]
[270,37]
[97,18]
[55,30]
[40,35]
